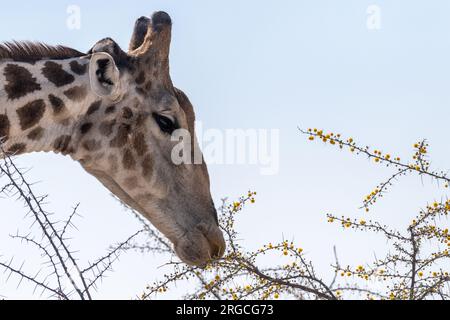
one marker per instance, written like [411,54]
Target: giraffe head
[125,140]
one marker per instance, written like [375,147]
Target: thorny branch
[53,244]
[408,271]
[414,267]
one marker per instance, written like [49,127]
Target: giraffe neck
[41,103]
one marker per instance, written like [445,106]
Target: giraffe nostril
[217,250]
[215,239]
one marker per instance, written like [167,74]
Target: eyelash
[165,124]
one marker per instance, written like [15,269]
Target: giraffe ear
[104,75]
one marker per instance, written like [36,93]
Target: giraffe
[114,112]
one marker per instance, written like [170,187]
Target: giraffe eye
[165,124]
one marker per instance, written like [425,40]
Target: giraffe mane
[27,51]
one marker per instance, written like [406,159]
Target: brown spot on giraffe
[121,137]
[110,109]
[4,127]
[140,79]
[31,113]
[55,73]
[148,86]
[106,127]
[20,82]
[140,120]
[139,144]
[128,161]
[76,93]
[127,113]
[78,68]
[62,143]
[131,182]
[147,166]
[91,145]
[36,134]
[16,148]
[93,108]
[141,91]
[56,103]
[86,127]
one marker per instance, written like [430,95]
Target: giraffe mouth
[202,245]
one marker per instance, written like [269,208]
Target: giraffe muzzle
[201,246]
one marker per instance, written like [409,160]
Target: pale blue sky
[266,64]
